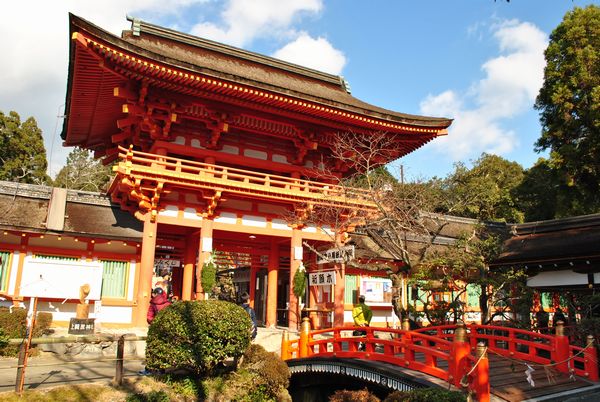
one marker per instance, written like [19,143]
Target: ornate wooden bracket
[217,125]
[301,213]
[155,200]
[304,142]
[154,117]
[211,204]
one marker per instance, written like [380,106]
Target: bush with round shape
[272,374]
[197,335]
[426,395]
[353,396]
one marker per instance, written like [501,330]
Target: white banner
[321,278]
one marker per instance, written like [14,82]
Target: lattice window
[114,278]
[55,257]
[351,289]
[5,257]
[473,292]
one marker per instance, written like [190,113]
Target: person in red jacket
[158,302]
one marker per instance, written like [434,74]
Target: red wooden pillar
[338,301]
[253,274]
[304,337]
[189,259]
[591,360]
[272,274]
[481,379]
[206,247]
[458,354]
[146,270]
[285,346]
[295,261]
[561,348]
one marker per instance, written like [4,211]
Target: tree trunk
[397,295]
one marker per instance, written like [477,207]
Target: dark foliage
[426,395]
[353,396]
[272,374]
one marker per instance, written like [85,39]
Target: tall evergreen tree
[569,102]
[83,172]
[22,152]
[482,192]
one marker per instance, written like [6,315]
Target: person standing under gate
[361,314]
[158,302]
[246,306]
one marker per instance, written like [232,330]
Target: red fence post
[458,355]
[473,336]
[561,348]
[285,345]
[481,375]
[304,335]
[591,360]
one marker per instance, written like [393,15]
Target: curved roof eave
[347,102]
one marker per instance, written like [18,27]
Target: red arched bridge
[479,359]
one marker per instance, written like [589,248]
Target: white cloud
[34,48]
[511,83]
[35,45]
[245,20]
[314,53]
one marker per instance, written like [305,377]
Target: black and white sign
[337,254]
[321,278]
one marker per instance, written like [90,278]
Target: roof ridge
[138,26]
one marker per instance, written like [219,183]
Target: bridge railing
[451,361]
[528,346]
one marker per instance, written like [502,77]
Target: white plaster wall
[170,210]
[190,213]
[256,221]
[66,311]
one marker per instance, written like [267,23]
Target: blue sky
[479,62]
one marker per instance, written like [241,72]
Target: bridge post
[285,345]
[481,375]
[459,352]
[591,360]
[561,348]
[304,335]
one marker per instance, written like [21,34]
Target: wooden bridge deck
[508,380]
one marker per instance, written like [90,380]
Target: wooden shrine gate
[459,355]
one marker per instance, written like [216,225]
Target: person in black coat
[246,306]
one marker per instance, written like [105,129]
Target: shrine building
[213,147]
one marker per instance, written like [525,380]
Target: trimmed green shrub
[353,396]
[14,325]
[426,395]
[272,374]
[197,335]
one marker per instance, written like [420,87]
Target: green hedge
[197,335]
[14,325]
